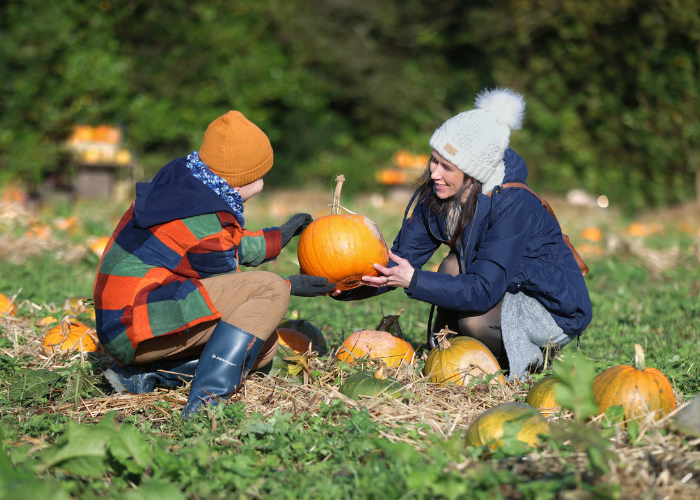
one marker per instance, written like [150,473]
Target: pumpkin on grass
[488,429]
[7,307]
[368,385]
[376,344]
[71,335]
[541,395]
[459,359]
[308,329]
[342,248]
[294,340]
[638,389]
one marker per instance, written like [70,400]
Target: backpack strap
[582,265]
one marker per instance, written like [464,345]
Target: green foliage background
[611,85]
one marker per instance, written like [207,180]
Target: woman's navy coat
[512,244]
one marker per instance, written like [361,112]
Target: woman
[509,280]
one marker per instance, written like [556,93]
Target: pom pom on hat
[475,141]
[508,106]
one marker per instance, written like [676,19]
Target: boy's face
[250,190]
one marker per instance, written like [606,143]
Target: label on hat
[450,149]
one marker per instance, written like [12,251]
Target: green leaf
[575,392]
[83,450]
[33,385]
[613,415]
[154,490]
[130,449]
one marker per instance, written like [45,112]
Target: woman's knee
[449,265]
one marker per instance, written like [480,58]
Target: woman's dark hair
[437,206]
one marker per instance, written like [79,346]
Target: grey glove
[294,227]
[303,285]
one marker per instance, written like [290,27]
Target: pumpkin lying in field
[378,345]
[488,428]
[638,389]
[294,340]
[7,307]
[311,331]
[342,247]
[542,395]
[367,384]
[71,335]
[459,359]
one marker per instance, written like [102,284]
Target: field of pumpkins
[603,413]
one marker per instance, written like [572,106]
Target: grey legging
[483,326]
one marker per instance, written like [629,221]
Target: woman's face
[448,178]
[250,190]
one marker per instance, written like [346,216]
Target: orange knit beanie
[235,149]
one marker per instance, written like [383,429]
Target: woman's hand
[399,275]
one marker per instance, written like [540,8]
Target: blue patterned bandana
[200,171]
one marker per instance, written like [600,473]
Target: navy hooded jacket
[512,244]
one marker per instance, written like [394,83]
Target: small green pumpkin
[368,385]
[308,329]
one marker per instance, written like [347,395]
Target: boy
[168,302]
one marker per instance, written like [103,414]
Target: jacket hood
[174,193]
[516,170]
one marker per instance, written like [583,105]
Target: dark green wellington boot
[138,379]
[223,365]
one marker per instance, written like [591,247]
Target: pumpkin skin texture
[294,340]
[6,306]
[638,389]
[488,428]
[342,248]
[308,329]
[368,384]
[449,361]
[378,345]
[68,335]
[541,396]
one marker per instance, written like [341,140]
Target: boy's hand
[303,285]
[294,227]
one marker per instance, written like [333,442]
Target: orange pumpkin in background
[459,359]
[296,341]
[71,336]
[638,389]
[378,345]
[342,248]
[7,307]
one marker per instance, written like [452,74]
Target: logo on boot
[214,356]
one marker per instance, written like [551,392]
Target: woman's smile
[448,178]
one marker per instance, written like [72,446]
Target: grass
[336,450]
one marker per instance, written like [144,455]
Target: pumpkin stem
[441,337]
[381,372]
[335,208]
[639,358]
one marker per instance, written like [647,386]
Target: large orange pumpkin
[458,359]
[541,395]
[638,389]
[377,345]
[342,248]
[488,429]
[7,306]
[296,341]
[70,335]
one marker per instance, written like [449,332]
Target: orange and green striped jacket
[176,232]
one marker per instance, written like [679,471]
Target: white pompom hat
[475,141]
